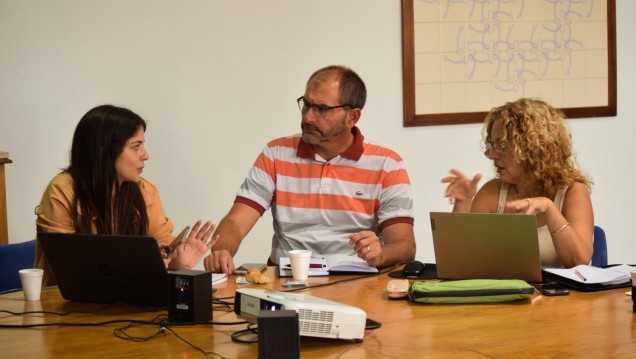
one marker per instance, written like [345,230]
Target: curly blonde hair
[536,137]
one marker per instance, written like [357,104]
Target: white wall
[217,79]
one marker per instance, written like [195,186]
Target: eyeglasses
[495,146]
[318,110]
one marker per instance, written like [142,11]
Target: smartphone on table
[245,266]
[179,240]
[552,289]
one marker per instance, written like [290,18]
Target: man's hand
[368,247]
[219,261]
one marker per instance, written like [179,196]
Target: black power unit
[278,334]
[190,297]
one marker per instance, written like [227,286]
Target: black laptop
[107,268]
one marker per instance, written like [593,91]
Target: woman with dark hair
[102,190]
[531,149]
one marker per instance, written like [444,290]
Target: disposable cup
[31,283]
[300,259]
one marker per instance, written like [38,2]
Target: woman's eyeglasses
[495,146]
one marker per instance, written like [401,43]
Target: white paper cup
[300,260]
[31,283]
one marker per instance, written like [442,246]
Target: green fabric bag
[470,291]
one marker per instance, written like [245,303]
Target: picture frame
[462,58]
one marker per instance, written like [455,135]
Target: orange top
[54,215]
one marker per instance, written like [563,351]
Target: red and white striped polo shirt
[316,204]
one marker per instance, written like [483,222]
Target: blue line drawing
[504,36]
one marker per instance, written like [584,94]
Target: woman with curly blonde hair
[531,149]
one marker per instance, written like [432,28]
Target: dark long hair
[99,139]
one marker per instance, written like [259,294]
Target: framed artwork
[461,58]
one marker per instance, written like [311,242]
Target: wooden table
[581,325]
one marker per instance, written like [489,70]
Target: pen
[311,265]
[578,274]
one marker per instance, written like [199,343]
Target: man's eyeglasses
[319,110]
[495,146]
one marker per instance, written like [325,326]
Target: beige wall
[217,79]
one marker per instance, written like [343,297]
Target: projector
[316,317]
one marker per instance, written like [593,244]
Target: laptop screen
[107,268]
[486,246]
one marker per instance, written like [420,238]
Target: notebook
[317,267]
[585,274]
[329,264]
[107,268]
[486,246]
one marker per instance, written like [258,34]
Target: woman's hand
[535,205]
[165,250]
[195,247]
[461,189]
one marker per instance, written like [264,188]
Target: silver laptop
[486,246]
[107,268]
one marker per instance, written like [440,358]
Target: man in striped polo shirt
[330,190]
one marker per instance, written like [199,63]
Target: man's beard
[322,136]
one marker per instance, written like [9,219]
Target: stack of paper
[218,278]
[594,275]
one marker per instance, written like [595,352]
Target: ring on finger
[528,199]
